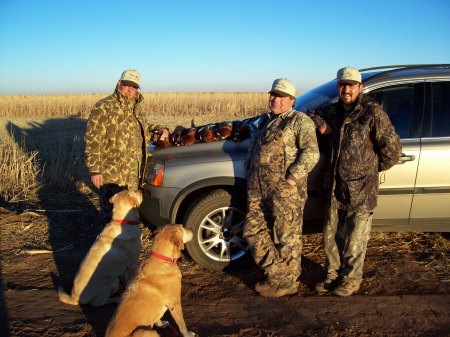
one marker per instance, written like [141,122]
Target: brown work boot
[328,285]
[263,286]
[278,291]
[346,288]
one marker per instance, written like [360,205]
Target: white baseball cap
[348,74]
[131,77]
[283,87]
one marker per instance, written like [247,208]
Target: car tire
[217,220]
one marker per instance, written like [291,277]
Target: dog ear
[133,200]
[134,197]
[177,239]
[112,199]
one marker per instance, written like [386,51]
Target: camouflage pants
[105,193]
[345,238]
[273,226]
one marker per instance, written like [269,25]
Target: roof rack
[405,66]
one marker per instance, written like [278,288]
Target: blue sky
[77,46]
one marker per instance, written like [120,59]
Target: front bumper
[150,209]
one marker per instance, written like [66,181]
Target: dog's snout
[187,235]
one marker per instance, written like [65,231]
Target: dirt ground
[405,291]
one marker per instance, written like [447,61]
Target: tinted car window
[440,126]
[398,103]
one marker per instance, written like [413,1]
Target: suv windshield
[317,97]
[321,96]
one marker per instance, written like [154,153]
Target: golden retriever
[156,289]
[113,258]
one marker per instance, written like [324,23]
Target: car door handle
[404,158]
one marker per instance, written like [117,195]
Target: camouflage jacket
[117,137]
[363,142]
[299,136]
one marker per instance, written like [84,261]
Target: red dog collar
[126,222]
[164,258]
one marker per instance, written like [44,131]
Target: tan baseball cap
[283,87]
[348,74]
[131,77]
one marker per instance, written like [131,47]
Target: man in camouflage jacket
[363,143]
[283,151]
[117,137]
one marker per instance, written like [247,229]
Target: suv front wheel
[217,221]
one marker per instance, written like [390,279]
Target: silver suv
[203,185]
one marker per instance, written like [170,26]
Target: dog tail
[65,298]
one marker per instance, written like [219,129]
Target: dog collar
[164,258]
[126,222]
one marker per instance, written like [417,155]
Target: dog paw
[162,324]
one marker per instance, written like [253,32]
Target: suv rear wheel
[217,221]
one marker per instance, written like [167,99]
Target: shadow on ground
[73,219]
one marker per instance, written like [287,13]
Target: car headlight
[154,174]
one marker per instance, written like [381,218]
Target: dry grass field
[49,219]
[189,104]
[41,140]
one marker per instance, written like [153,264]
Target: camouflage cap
[131,78]
[348,74]
[283,87]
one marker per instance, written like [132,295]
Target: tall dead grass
[64,168]
[57,166]
[19,180]
[190,104]
[50,153]
[39,106]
